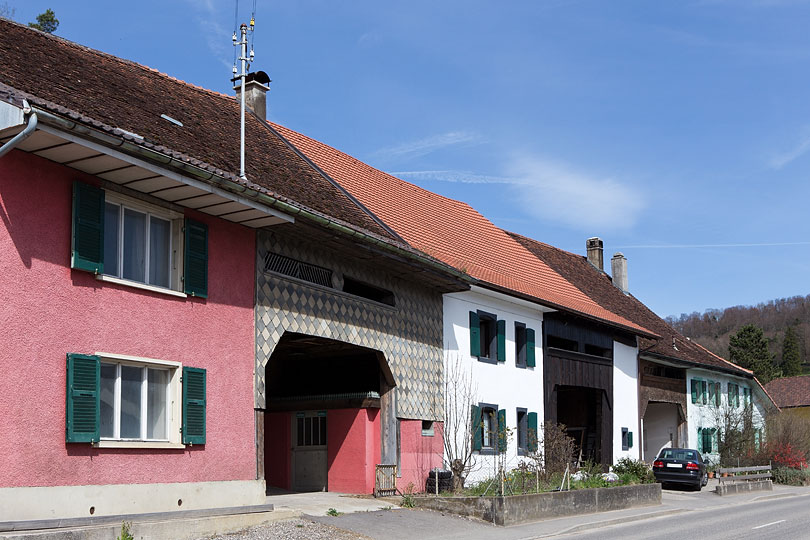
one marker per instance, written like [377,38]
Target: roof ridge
[364,164]
[70,43]
[511,233]
[360,205]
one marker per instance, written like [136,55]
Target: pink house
[171,329]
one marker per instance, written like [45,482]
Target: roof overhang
[547,306]
[686,364]
[132,168]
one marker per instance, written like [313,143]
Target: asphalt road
[787,518]
[703,515]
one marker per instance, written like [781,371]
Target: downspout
[24,134]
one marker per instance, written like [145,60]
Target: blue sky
[679,132]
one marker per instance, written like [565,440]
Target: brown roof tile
[790,391]
[598,285]
[108,92]
[451,231]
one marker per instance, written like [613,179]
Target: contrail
[688,246]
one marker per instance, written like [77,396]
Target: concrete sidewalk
[319,503]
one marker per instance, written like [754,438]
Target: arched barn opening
[322,418]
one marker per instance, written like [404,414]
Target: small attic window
[358,288]
[172,120]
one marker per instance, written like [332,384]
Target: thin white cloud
[461,177]
[429,144]
[780,160]
[730,245]
[217,38]
[553,192]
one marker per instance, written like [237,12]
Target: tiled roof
[452,231]
[107,92]
[598,285]
[790,391]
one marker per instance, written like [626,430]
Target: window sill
[157,445]
[138,285]
[487,360]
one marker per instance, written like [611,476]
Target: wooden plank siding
[562,368]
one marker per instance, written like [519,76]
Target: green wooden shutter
[475,334]
[87,249]
[502,440]
[533,435]
[530,361]
[475,424]
[629,439]
[83,406]
[195,268]
[194,405]
[695,390]
[501,341]
[700,440]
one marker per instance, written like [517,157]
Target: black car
[680,466]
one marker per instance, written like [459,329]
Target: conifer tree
[791,356]
[748,348]
[47,22]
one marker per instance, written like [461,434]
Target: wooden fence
[744,474]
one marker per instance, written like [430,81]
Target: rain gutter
[234,187]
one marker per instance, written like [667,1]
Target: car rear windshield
[686,455]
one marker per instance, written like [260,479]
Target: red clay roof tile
[451,231]
[790,391]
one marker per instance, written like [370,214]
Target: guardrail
[744,474]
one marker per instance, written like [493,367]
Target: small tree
[46,22]
[791,355]
[460,393]
[553,453]
[7,11]
[736,434]
[749,348]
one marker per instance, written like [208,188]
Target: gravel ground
[291,529]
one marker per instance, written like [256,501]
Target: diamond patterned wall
[409,334]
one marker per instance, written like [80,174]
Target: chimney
[619,266]
[594,249]
[256,87]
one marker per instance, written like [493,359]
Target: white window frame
[176,240]
[173,402]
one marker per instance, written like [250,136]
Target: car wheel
[705,479]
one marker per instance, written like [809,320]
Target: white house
[718,401]
[495,340]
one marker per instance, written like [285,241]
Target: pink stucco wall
[277,444]
[353,449]
[48,310]
[418,453]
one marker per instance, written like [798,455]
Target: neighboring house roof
[107,92]
[453,232]
[598,285]
[790,391]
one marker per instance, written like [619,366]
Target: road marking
[768,524]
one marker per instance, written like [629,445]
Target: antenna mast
[245,60]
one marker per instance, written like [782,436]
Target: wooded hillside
[713,328]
